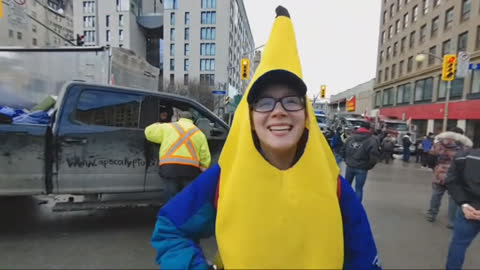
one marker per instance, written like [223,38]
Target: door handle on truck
[75,140]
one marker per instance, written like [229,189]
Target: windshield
[354,122]
[321,119]
[397,126]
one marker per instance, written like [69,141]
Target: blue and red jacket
[191,215]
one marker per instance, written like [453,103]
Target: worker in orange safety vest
[184,151]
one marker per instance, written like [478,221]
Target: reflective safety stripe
[184,139]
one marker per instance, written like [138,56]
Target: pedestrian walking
[183,151]
[418,151]
[406,142]
[388,146]
[361,153]
[427,144]
[463,185]
[337,143]
[262,201]
[445,147]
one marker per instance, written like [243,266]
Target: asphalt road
[396,197]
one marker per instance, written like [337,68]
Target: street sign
[462,64]
[219,92]
[474,66]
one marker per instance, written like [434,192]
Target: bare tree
[194,90]
[315,97]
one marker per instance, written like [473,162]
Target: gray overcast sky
[337,39]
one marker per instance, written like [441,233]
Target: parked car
[94,143]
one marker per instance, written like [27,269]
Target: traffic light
[323,91]
[80,40]
[245,69]
[449,67]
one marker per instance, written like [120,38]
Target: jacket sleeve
[343,151]
[183,221]
[373,154]
[154,132]
[205,158]
[455,181]
[360,250]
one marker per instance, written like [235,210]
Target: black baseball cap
[276,77]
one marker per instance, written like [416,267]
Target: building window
[209,3]
[120,35]
[402,44]
[384,18]
[172,49]
[207,79]
[383,37]
[390,32]
[121,21]
[403,93]
[185,79]
[172,18]
[34,42]
[378,99]
[172,34]
[475,88]
[207,33]
[208,17]
[425,6]
[446,47]
[186,49]
[107,21]
[10,33]
[172,79]
[462,42]
[379,77]
[187,18]
[449,18]
[187,33]
[171,4]
[434,31]
[186,64]
[394,67]
[108,36]
[456,90]
[34,28]
[19,35]
[412,40]
[381,57]
[423,89]
[387,70]
[409,64]
[395,49]
[405,20]
[120,45]
[466,7]
[172,64]
[388,97]
[399,5]
[414,14]
[400,68]
[397,27]
[88,21]
[477,43]
[88,7]
[208,49]
[432,51]
[389,51]
[391,10]
[89,36]
[207,64]
[436,3]
[423,33]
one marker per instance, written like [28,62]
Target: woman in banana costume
[276,199]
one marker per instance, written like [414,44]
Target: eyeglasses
[289,103]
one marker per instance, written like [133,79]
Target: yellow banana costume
[305,217]
[268,218]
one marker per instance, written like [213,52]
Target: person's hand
[470,212]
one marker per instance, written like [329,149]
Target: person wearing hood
[262,201]
[446,146]
[361,153]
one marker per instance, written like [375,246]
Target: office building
[36,23]
[408,89]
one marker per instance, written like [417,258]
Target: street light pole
[447,100]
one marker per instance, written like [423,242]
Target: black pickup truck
[95,143]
